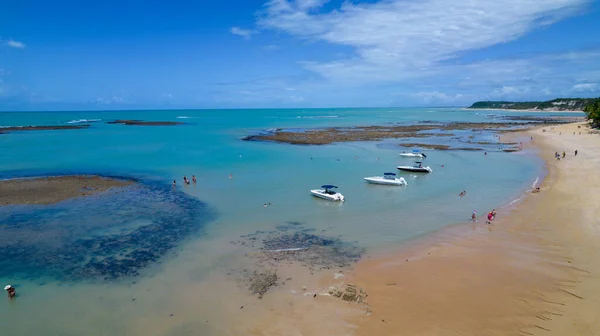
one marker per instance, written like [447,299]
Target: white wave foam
[184,117]
[83,121]
[318,117]
[537,179]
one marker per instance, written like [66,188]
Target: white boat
[416,153]
[417,168]
[327,192]
[387,179]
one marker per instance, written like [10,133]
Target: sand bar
[49,190]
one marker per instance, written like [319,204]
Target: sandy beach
[49,190]
[534,270]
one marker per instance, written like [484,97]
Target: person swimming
[12,292]
[185,180]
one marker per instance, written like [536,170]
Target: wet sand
[49,190]
[535,270]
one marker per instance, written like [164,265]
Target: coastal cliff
[559,104]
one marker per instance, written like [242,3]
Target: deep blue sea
[120,264]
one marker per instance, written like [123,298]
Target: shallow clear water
[210,147]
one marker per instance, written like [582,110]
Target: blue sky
[294,53]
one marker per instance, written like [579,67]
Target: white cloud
[15,44]
[271,47]
[245,33]
[394,40]
[587,87]
[112,100]
[438,97]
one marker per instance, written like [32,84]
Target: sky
[74,55]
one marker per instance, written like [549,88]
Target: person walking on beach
[564,154]
[490,218]
[12,292]
[576,152]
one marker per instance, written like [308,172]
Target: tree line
[592,112]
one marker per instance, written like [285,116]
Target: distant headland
[558,104]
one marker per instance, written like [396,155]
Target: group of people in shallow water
[186,181]
[490,216]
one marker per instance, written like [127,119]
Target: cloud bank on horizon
[363,53]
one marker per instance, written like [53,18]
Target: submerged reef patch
[103,237]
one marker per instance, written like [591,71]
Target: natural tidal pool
[107,236]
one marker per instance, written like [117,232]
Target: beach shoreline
[519,275]
[533,271]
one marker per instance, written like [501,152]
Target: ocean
[186,283]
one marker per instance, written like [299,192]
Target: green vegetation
[559,104]
[592,111]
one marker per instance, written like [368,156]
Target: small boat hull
[412,155]
[320,193]
[386,181]
[415,169]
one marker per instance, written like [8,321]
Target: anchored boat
[328,192]
[417,168]
[386,179]
[416,153]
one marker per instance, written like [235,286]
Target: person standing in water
[194,179]
[11,291]
[174,184]
[474,216]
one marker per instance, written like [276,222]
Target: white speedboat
[387,179]
[327,192]
[417,168]
[416,153]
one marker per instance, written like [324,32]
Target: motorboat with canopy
[416,153]
[328,192]
[417,168]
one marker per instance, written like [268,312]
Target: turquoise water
[209,146]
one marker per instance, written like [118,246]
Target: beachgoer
[494,213]
[576,152]
[265,205]
[474,216]
[490,218]
[485,153]
[564,154]
[230,176]
[174,184]
[536,190]
[11,291]
[194,179]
